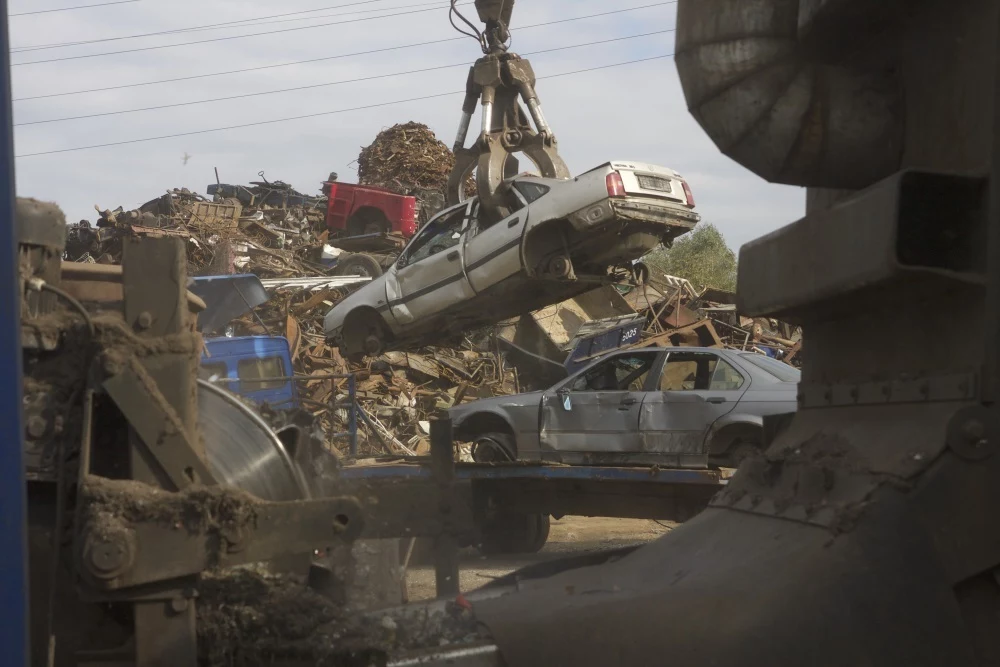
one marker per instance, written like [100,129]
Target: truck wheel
[508,534]
[544,524]
[359,264]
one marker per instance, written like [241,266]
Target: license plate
[655,183]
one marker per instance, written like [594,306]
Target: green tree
[701,256]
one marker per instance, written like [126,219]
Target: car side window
[624,372]
[725,377]
[531,191]
[437,236]
[698,371]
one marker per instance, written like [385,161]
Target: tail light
[616,188]
[687,193]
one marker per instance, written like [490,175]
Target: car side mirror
[567,402]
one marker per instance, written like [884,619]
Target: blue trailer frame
[640,492]
[13,541]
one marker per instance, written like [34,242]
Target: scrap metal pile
[408,158]
[399,392]
[676,314]
[265,228]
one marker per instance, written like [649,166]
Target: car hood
[495,404]
[371,295]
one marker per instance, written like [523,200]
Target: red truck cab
[365,209]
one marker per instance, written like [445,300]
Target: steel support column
[13,560]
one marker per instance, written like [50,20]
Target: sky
[628,112]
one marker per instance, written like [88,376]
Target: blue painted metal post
[13,533]
[352,414]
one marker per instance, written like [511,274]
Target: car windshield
[778,369]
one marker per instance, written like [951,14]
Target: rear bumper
[634,209]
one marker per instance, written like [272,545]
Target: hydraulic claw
[500,82]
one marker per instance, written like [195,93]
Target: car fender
[372,295]
[728,428]
[521,421]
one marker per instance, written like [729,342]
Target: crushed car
[677,407]
[554,239]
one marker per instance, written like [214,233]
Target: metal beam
[13,546]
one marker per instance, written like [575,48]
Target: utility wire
[223,39]
[69,9]
[323,113]
[314,60]
[328,83]
[214,26]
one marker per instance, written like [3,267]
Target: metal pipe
[463,131]
[535,109]
[487,118]
[352,414]
[13,543]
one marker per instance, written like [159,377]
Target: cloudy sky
[633,112]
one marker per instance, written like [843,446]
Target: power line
[323,113]
[69,9]
[211,26]
[338,56]
[223,39]
[326,84]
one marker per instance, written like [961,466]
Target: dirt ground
[569,535]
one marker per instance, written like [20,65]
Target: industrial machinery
[865,535]
[498,81]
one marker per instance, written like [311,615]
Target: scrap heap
[266,228]
[399,392]
[408,158]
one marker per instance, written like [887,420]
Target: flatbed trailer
[505,507]
[639,492]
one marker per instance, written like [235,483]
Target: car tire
[359,264]
[364,334]
[488,447]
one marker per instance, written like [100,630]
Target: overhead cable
[320,113]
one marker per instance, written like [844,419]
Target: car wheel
[493,448]
[364,334]
[360,264]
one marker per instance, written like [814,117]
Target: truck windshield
[255,373]
[778,369]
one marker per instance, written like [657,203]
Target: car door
[428,276]
[594,415]
[493,252]
[694,389]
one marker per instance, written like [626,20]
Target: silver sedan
[553,240]
[678,407]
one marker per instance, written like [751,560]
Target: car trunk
[646,180]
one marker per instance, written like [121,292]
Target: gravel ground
[569,535]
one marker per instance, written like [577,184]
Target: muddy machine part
[866,534]
[499,82]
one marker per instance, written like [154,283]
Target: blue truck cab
[256,367]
